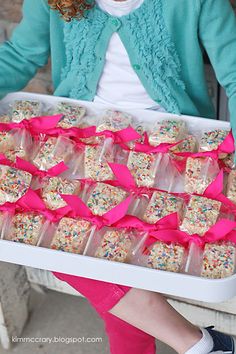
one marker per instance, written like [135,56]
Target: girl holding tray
[131,53]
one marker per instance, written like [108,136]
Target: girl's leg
[151,313]
[123,337]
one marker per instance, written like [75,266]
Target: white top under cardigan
[119,83]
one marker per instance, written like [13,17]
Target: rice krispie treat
[52,152]
[161,205]
[167,131]
[115,246]
[231,186]
[13,184]
[96,166]
[143,168]
[25,110]
[201,214]
[188,144]
[53,187]
[200,173]
[16,152]
[72,114]
[6,142]
[71,235]
[114,121]
[163,256]
[5,118]
[104,197]
[211,140]
[219,260]
[26,228]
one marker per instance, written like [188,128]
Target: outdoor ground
[58,315]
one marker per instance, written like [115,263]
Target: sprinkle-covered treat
[26,228]
[161,205]
[25,110]
[13,184]
[167,131]
[115,246]
[96,166]
[71,235]
[114,121]
[201,214]
[6,142]
[53,187]
[211,140]
[231,186]
[229,161]
[200,172]
[16,152]
[72,114]
[163,256]
[188,144]
[143,168]
[52,152]
[5,118]
[219,260]
[104,198]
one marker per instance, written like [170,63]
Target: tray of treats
[136,197]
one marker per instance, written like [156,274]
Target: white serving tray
[182,285]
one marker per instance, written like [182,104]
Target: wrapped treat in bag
[211,140]
[7,142]
[200,173]
[26,228]
[96,160]
[161,205]
[201,214]
[112,244]
[188,144]
[22,109]
[231,186]
[53,187]
[167,131]
[143,167]
[218,260]
[52,152]
[229,161]
[104,197]
[13,184]
[71,235]
[160,255]
[22,146]
[140,129]
[114,121]
[72,114]
[5,118]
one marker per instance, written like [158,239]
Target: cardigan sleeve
[27,50]
[217,32]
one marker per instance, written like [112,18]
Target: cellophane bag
[103,197]
[200,173]
[14,184]
[53,151]
[167,131]
[72,114]
[26,227]
[200,215]
[113,244]
[25,109]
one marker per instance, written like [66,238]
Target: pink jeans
[123,338]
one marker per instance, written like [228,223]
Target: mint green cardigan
[163,38]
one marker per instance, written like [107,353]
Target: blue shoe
[223,343]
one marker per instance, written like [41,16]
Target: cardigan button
[136,67]
[116,23]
